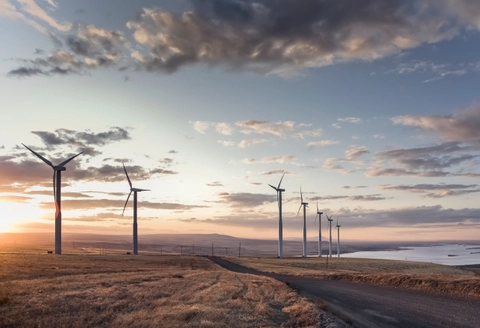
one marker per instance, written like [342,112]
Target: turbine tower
[338,238]
[135,228]
[319,216]
[330,228]
[57,195]
[305,205]
[280,223]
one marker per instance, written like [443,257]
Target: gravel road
[380,306]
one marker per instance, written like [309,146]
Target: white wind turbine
[280,223]
[57,194]
[305,205]
[135,228]
[330,228]
[338,238]
[319,216]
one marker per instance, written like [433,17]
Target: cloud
[80,138]
[173,151]
[268,160]
[89,48]
[332,164]
[354,120]
[221,127]
[30,171]
[367,198]
[281,36]
[275,172]
[31,7]
[14,199]
[243,200]
[214,184]
[439,71]
[85,204]
[429,161]
[279,129]
[351,156]
[224,128]
[251,142]
[353,187]
[277,159]
[435,190]
[355,152]
[463,126]
[322,143]
[408,216]
[227,143]
[269,37]
[64,193]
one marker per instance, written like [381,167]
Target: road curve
[380,306]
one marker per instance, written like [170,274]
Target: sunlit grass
[416,275]
[144,291]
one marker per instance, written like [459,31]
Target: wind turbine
[319,216]
[305,205]
[57,195]
[280,223]
[330,228]
[338,238]
[135,228]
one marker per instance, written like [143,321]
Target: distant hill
[198,244]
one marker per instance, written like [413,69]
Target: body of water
[441,254]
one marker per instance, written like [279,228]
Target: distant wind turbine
[305,205]
[330,228]
[319,216]
[338,238]
[135,228]
[57,195]
[280,223]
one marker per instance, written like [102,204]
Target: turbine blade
[143,190]
[317,206]
[281,180]
[129,182]
[316,216]
[126,202]
[299,210]
[68,160]
[40,156]
[272,186]
[301,195]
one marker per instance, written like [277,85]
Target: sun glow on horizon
[12,214]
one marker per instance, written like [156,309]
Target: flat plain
[44,290]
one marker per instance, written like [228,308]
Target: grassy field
[144,291]
[416,275]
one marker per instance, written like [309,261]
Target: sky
[370,107]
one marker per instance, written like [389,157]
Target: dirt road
[380,306]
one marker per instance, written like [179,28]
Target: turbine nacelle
[131,189]
[138,190]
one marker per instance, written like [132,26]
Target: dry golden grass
[416,275]
[143,291]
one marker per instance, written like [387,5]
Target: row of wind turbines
[57,185]
[57,194]
[319,216]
